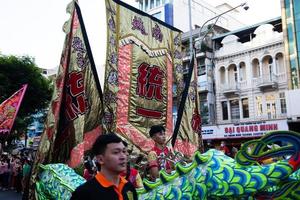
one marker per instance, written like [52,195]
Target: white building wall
[160,9]
[266,43]
[201,12]
[292,100]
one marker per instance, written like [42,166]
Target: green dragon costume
[213,175]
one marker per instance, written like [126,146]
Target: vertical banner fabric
[188,124]
[74,119]
[75,116]
[142,56]
[9,110]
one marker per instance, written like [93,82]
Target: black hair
[139,159]
[156,129]
[88,166]
[102,141]
[125,143]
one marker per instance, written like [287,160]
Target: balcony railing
[229,89]
[267,82]
[202,87]
[270,116]
[282,77]
[186,54]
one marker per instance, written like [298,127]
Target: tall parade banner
[143,62]
[75,115]
[9,110]
[188,124]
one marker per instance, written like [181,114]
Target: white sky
[34,27]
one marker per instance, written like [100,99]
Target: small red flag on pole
[9,109]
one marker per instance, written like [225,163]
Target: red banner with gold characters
[9,109]
[75,117]
[144,64]
[74,120]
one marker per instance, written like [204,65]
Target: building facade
[291,34]
[251,83]
[176,13]
[205,75]
[243,75]
[291,26]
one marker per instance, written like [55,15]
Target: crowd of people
[116,168]
[109,168]
[14,171]
[109,171]
[112,176]
[228,151]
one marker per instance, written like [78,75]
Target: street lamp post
[192,47]
[244,5]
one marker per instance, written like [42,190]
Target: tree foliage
[16,71]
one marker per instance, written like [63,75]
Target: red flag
[9,109]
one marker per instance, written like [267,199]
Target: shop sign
[242,130]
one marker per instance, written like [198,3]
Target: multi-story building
[291,26]
[242,81]
[176,13]
[36,127]
[205,74]
[251,82]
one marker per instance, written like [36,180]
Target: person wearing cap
[111,155]
[157,156]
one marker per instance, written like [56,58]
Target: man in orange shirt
[111,154]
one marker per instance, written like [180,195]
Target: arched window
[232,74]
[267,67]
[255,68]
[280,67]
[222,75]
[242,69]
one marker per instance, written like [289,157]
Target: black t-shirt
[93,190]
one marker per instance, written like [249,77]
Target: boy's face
[114,158]
[159,137]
